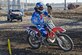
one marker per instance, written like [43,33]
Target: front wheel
[65,42]
[33,40]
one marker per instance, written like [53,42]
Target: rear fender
[35,30]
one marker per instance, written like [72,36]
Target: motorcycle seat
[33,27]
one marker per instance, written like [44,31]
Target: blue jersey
[37,18]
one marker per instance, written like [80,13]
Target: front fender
[60,29]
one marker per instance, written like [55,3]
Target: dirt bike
[55,35]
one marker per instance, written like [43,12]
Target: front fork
[56,35]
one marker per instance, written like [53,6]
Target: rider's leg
[44,33]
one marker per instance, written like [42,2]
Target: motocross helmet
[39,6]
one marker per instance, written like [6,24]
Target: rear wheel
[65,42]
[33,40]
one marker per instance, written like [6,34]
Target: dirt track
[20,46]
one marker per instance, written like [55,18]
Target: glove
[49,16]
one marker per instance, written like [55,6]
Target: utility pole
[8,5]
[13,4]
[18,4]
[26,4]
[76,1]
[8,2]
[64,4]
[0,3]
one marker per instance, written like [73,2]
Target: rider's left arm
[46,14]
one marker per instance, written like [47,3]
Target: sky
[50,1]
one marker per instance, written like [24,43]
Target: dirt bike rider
[37,18]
